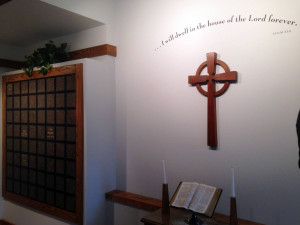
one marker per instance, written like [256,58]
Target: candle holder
[233,212]
[165,200]
[194,220]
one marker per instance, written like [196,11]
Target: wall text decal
[267,18]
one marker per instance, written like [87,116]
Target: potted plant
[43,58]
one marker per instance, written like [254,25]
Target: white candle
[164,172]
[233,184]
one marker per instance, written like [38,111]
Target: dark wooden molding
[95,51]
[11,64]
[152,204]
[2,2]
[134,200]
[4,222]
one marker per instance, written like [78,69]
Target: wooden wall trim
[134,200]
[11,64]
[152,204]
[2,2]
[4,222]
[95,51]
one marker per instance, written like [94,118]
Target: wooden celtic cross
[211,93]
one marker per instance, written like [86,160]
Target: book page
[202,198]
[185,194]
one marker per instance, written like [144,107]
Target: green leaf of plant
[44,57]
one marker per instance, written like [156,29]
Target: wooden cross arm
[197,79]
[230,76]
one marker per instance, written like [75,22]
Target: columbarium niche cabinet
[43,141]
[59,144]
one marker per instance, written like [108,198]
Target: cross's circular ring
[226,84]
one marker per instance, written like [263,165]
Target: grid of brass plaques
[41,140]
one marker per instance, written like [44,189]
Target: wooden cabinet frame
[17,184]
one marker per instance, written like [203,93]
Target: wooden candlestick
[165,200]
[233,212]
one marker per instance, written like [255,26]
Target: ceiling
[25,22]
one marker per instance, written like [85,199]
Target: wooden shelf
[4,222]
[11,64]
[134,200]
[95,51]
[152,204]
[2,2]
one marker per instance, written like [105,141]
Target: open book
[199,198]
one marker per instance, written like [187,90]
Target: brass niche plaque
[24,133]
[24,160]
[50,133]
[9,88]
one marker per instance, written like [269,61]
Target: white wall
[99,149]
[100,10]
[160,116]
[100,157]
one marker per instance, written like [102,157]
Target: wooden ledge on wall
[4,222]
[152,204]
[2,2]
[95,51]
[134,200]
[11,64]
